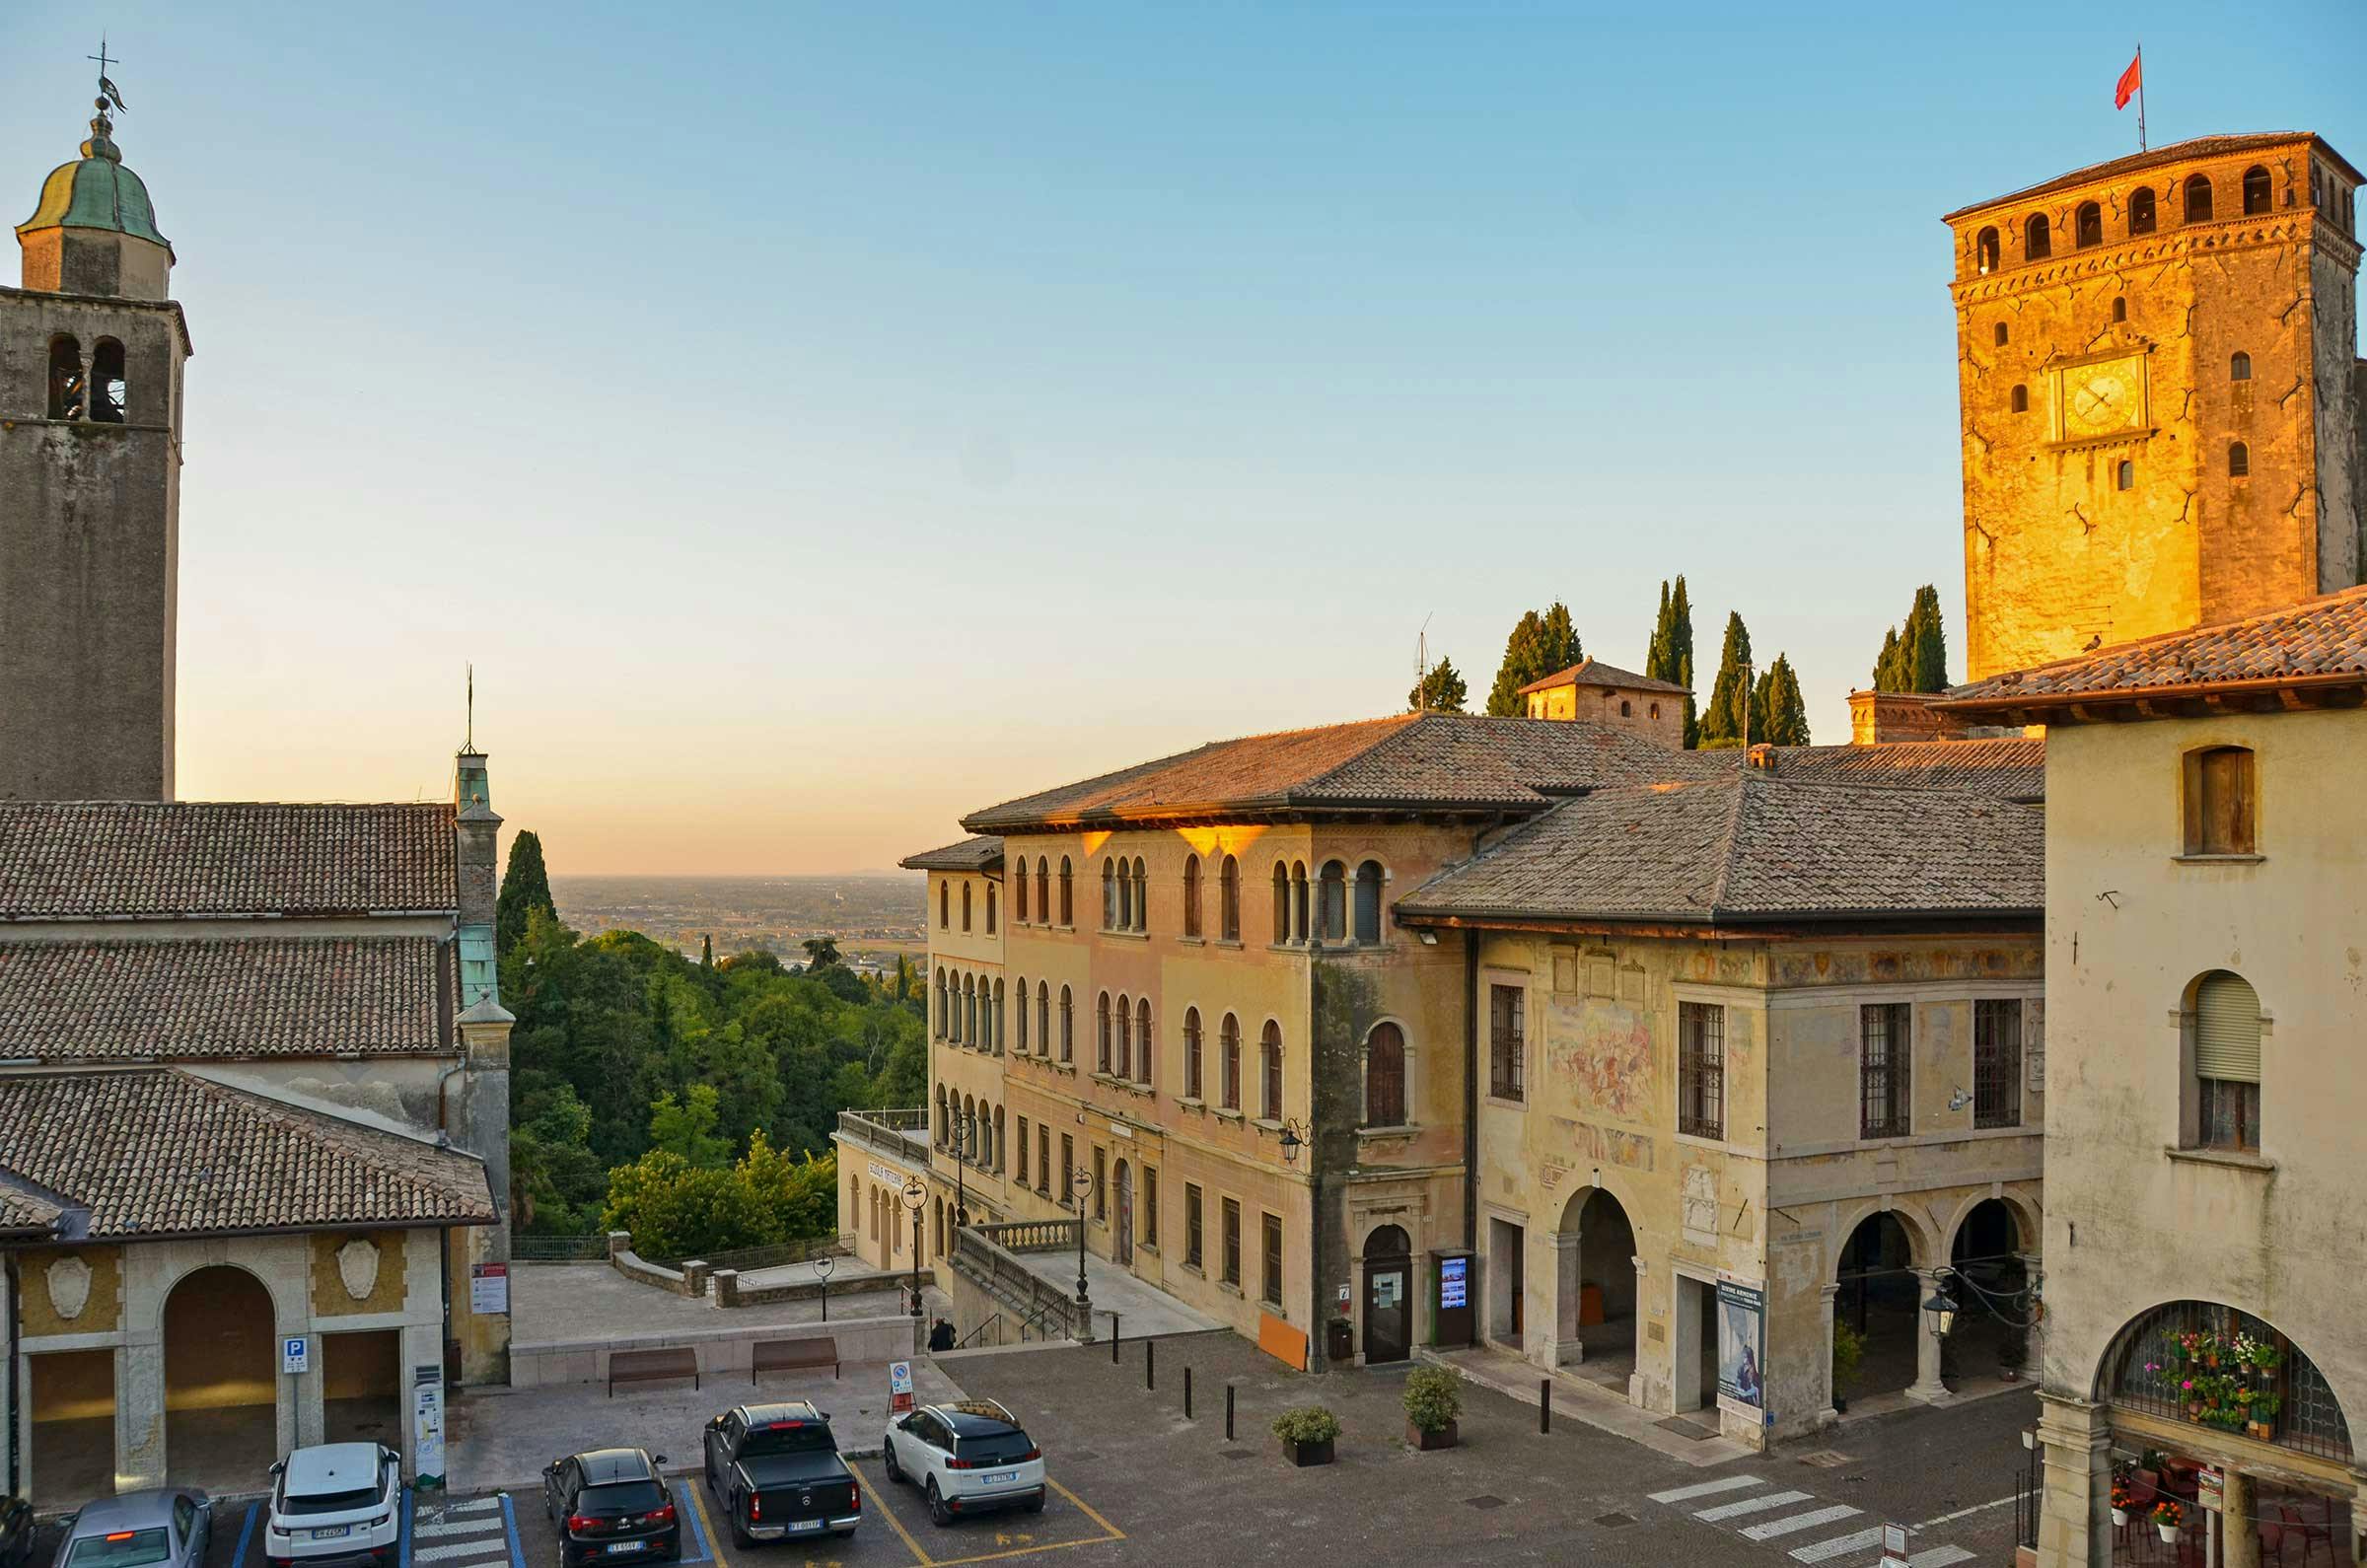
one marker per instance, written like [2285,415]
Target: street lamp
[966,1128]
[1940,1310]
[1294,1138]
[916,1198]
[822,1264]
[1079,1183]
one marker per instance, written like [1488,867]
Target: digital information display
[1454,1282]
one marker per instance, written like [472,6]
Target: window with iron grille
[1885,1066]
[1507,1049]
[1231,1242]
[1192,1225]
[1997,1063]
[1100,1176]
[2145,1370]
[1271,1282]
[1702,1069]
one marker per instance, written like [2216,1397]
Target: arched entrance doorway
[1594,1299]
[1388,1294]
[1879,1302]
[221,1378]
[1125,1214]
[1990,1278]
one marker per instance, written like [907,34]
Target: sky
[814,422]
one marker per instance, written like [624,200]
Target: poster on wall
[427,1427]
[1743,1347]
[488,1287]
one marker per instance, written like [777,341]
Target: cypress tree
[706,950]
[1539,644]
[1442,691]
[1780,713]
[1670,654]
[525,888]
[1730,705]
[1889,672]
[1915,657]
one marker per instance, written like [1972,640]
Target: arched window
[1142,894]
[1384,1077]
[1142,1036]
[1228,897]
[2141,211]
[1333,901]
[939,1029]
[2219,802]
[2120,309]
[1126,1039]
[1100,1032]
[66,385]
[969,1009]
[1368,897]
[1043,891]
[1068,894]
[1192,1084]
[110,393]
[2238,459]
[2256,190]
[2002,334]
[945,1121]
[1001,1152]
[1110,895]
[1269,1063]
[2239,366]
[2086,226]
[2199,198]
[1228,1063]
[990,894]
[945,906]
[965,906]
[2019,398]
[995,1027]
[1281,903]
[1297,901]
[2226,1063]
[1068,1027]
[1625,709]
[1984,251]
[2037,238]
[1022,995]
[2137,1374]
[966,1131]
[1191,896]
[1043,1019]
[1655,710]
[2124,477]
[1018,895]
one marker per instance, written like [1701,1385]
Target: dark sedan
[611,1505]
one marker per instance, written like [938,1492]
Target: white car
[970,1457]
[333,1502]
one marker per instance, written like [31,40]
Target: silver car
[164,1528]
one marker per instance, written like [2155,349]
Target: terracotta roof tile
[1595,673]
[87,860]
[2317,642]
[2013,768]
[82,1001]
[983,852]
[161,1152]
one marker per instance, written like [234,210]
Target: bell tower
[92,348]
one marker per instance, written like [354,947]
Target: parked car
[611,1502]
[968,1457]
[335,1501]
[163,1527]
[775,1470]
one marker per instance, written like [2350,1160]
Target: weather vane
[109,93]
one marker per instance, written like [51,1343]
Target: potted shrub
[2168,1515]
[2124,1498]
[1433,1399]
[1306,1434]
[2013,1352]
[1848,1349]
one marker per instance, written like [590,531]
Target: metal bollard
[1150,1364]
[1228,1412]
[1186,1393]
[1545,1404]
[1114,1339]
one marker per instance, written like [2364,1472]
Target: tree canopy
[1915,657]
[1542,643]
[1730,714]
[1780,715]
[1441,691]
[524,888]
[1670,655]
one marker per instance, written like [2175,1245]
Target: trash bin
[1339,1340]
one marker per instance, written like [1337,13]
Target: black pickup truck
[777,1474]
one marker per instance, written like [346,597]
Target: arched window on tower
[1228,888]
[1368,900]
[66,385]
[1043,891]
[2087,225]
[945,906]
[2037,238]
[110,393]
[2124,477]
[1142,894]
[2141,211]
[1331,901]
[1068,893]
[2238,459]
[2003,334]
[1108,896]
[1191,896]
[965,906]
[2019,400]
[2239,366]
[1281,903]
[2256,190]
[2120,309]
[1018,895]
[2199,198]
[1984,251]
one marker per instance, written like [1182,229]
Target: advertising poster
[488,1287]
[1743,1347]
[1454,1282]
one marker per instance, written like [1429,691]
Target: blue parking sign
[296,1354]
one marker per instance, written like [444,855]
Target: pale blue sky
[817,421]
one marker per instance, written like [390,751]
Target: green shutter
[2227,1030]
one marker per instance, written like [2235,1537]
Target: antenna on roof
[1421,666]
[469,731]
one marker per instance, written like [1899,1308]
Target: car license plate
[796,1525]
[1000,1477]
[617,1547]
[333,1532]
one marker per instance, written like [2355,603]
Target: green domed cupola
[94,230]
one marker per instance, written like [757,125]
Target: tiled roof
[136,860]
[1746,847]
[1595,673]
[2176,152]
[1437,761]
[2012,769]
[2319,642]
[66,1001]
[983,852]
[22,1211]
[159,1153]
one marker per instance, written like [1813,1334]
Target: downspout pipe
[1471,1090]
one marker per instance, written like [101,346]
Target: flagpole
[2140,97]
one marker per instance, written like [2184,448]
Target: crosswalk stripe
[1751,1505]
[487,1549]
[1839,1545]
[1726,1484]
[1938,1557]
[457,1526]
[1799,1521]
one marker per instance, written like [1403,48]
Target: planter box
[1443,1438]
[1306,1454]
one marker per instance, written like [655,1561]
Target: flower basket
[2120,1516]
[2167,1517]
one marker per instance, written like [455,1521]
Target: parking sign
[296,1354]
[900,1387]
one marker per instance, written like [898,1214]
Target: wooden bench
[662,1365]
[788,1355]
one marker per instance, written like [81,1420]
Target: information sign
[296,1354]
[488,1287]
[2210,1488]
[1454,1282]
[899,1388]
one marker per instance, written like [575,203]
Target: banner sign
[1743,1347]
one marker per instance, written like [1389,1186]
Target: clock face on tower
[2104,399]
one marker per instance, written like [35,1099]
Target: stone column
[726,1283]
[1639,1381]
[1928,1388]
[2239,1542]
[1568,1346]
[1826,1293]
[2075,1521]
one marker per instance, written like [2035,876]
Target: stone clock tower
[2161,391]
[91,356]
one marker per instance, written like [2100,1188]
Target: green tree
[685,1128]
[1780,713]
[821,951]
[524,888]
[1915,657]
[1729,713]
[706,950]
[1670,656]
[1442,691]
[1540,644]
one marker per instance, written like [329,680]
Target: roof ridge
[1403,724]
[1731,854]
[2160,639]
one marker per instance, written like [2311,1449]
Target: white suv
[337,1500]
[970,1457]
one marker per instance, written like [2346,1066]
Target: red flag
[2130,80]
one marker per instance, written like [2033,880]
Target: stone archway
[221,1379]
[1987,1260]
[1388,1294]
[1881,1280]
[1595,1292]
